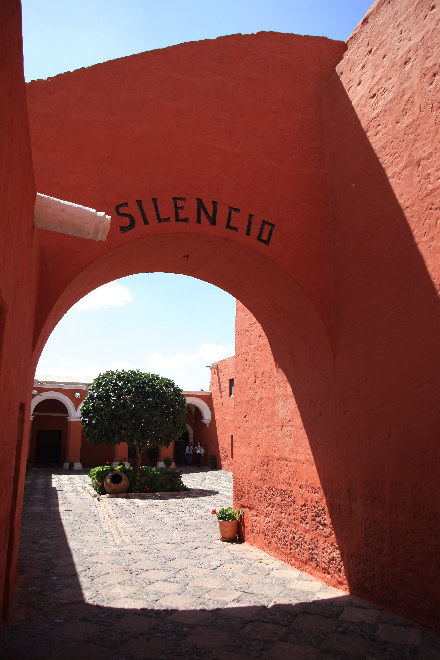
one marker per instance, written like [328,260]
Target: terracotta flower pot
[116,482]
[228,530]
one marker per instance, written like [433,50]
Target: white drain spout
[67,218]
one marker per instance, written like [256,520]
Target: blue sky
[61,35]
[159,322]
[169,324]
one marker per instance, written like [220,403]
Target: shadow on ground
[51,619]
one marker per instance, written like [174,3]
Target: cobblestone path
[148,577]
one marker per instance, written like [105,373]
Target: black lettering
[249,224]
[178,208]
[264,224]
[141,209]
[265,231]
[228,221]
[131,224]
[156,208]
[212,219]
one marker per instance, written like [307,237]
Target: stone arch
[264,122]
[78,410]
[222,190]
[209,196]
[202,406]
[44,396]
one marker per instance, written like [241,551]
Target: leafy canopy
[133,407]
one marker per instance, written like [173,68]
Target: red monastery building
[57,438]
[302,176]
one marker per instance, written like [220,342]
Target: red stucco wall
[102,139]
[359,501]
[386,208]
[92,455]
[344,166]
[16,300]
[221,372]
[206,435]
[276,479]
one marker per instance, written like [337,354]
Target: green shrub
[228,514]
[145,479]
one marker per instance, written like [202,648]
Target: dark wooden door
[48,446]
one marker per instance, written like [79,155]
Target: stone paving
[148,577]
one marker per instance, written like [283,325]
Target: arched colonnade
[69,424]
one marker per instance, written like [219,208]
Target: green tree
[133,407]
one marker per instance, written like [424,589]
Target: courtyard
[148,577]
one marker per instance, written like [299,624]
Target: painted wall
[17,260]
[205,434]
[385,99]
[191,138]
[221,373]
[276,479]
[358,502]
[317,180]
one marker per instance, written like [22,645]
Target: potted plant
[168,461]
[228,522]
[212,461]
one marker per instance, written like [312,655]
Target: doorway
[48,446]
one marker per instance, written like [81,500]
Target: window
[231,387]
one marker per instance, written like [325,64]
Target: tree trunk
[138,456]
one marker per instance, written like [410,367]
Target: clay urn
[228,530]
[116,482]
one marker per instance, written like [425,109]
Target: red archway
[230,183]
[199,182]
[302,180]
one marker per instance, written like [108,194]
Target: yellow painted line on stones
[108,520]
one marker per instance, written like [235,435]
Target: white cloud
[66,374]
[206,354]
[68,371]
[213,352]
[188,370]
[119,365]
[112,294]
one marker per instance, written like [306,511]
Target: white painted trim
[68,218]
[75,414]
[58,396]
[43,414]
[202,406]
[49,384]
